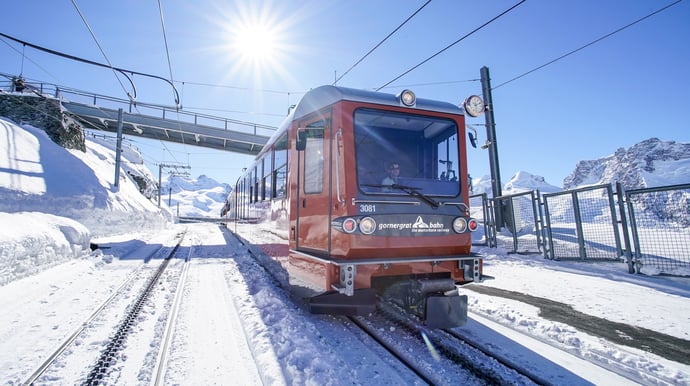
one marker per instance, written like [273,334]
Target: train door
[313,186]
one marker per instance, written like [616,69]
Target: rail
[133,106]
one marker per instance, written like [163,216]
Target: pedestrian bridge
[157,122]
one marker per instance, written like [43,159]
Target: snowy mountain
[521,182]
[650,163]
[187,197]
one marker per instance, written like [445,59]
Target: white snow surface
[200,197]
[238,327]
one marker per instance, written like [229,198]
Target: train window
[447,155]
[280,168]
[256,185]
[265,187]
[261,187]
[313,157]
[280,182]
[424,148]
[280,153]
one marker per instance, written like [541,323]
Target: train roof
[323,96]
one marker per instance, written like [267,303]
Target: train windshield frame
[425,149]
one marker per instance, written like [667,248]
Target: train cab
[376,201]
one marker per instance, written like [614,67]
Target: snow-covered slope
[201,197]
[37,175]
[521,182]
[53,201]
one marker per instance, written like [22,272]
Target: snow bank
[32,242]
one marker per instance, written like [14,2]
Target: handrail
[338,135]
[60,92]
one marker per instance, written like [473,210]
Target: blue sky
[626,88]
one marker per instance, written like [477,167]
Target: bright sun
[255,40]
[255,43]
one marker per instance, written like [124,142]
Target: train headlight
[459,225]
[367,225]
[408,98]
[349,225]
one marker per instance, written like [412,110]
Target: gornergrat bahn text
[371,192]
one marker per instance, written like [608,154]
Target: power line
[242,88]
[432,83]
[452,44]
[381,42]
[23,56]
[587,45]
[165,40]
[110,65]
[123,71]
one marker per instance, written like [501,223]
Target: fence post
[578,225]
[537,217]
[489,216]
[624,224]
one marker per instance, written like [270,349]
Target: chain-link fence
[660,225]
[521,233]
[582,224]
[647,228]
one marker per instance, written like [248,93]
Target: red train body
[321,179]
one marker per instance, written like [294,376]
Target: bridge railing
[136,107]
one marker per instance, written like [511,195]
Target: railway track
[423,352]
[438,357]
[475,361]
[95,326]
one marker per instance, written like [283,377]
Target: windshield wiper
[414,191]
[411,190]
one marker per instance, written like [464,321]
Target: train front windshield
[397,152]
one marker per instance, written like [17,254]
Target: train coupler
[446,311]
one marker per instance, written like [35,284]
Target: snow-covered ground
[50,281]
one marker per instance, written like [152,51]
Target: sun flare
[255,42]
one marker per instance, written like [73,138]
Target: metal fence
[582,224]
[660,227]
[649,229]
[479,209]
[522,232]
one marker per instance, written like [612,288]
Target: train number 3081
[367,208]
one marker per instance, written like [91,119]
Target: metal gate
[582,224]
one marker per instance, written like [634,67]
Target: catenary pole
[493,145]
[118,150]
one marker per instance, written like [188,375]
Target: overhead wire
[452,44]
[95,39]
[382,41]
[435,83]
[587,45]
[167,54]
[243,88]
[23,55]
[165,40]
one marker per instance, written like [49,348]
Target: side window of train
[313,135]
[256,185]
[280,168]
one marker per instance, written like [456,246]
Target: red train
[371,192]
